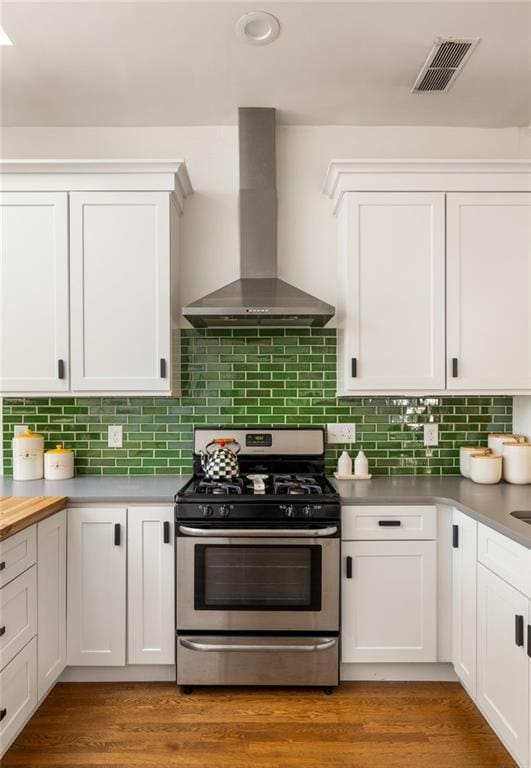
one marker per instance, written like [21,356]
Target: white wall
[307,233]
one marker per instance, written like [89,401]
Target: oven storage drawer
[257,660]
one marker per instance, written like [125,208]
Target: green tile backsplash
[256,377]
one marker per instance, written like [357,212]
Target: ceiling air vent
[445,61]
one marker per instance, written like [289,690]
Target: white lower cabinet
[150,584]
[51,600]
[389,605]
[503,685]
[464,570]
[18,693]
[96,589]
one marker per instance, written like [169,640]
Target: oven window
[257,577]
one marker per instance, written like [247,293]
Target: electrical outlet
[114,436]
[431,434]
[341,433]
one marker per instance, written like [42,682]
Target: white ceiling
[180,63]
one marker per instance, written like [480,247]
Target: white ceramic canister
[344,464]
[59,463]
[465,452]
[497,439]
[517,463]
[28,451]
[486,468]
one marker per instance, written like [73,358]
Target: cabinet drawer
[17,554]
[18,615]
[18,693]
[388,521]
[506,558]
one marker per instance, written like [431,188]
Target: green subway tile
[257,376]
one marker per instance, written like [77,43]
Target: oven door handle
[193,645]
[252,533]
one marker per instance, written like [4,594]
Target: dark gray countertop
[157,489]
[490,504]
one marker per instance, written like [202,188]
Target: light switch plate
[431,434]
[341,433]
[114,436]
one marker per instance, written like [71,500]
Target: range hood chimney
[259,297]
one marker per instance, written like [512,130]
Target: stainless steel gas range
[258,565]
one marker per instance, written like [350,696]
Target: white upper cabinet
[120,278]
[89,283]
[34,347]
[489,290]
[391,311]
[430,300]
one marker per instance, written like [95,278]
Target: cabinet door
[502,674]
[120,287]
[96,587]
[33,292]
[464,566]
[150,585]
[389,601]
[18,693]
[51,569]
[489,283]
[394,292]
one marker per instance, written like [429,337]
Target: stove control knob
[307,511]
[289,511]
[206,510]
[224,510]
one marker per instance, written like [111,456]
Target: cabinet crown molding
[101,175]
[425,176]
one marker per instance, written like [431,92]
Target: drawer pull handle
[354,369]
[519,630]
[454,368]
[3,713]
[2,631]
[162,368]
[60,369]
[349,567]
[117,534]
[166,532]
[2,565]
[455,536]
[389,523]
[529,640]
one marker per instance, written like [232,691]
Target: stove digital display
[259,440]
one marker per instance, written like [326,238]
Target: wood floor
[362,725]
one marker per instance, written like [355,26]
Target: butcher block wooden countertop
[19,512]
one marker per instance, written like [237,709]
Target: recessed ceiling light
[4,39]
[258,28]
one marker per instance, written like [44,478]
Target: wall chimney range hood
[259,297]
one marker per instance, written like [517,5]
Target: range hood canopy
[259,297]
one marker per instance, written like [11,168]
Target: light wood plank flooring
[362,725]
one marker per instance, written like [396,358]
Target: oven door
[258,580]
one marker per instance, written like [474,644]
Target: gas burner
[220,487]
[295,485]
